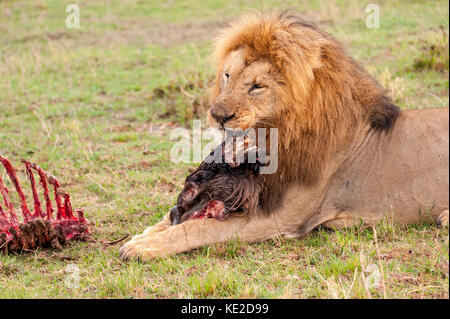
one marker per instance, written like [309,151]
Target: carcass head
[216,188]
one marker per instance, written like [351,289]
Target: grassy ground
[95,106]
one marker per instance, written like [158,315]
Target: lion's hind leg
[344,222]
[348,219]
[442,220]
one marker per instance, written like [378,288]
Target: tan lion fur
[346,152]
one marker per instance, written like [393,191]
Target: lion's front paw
[142,247]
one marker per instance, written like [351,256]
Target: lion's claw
[146,245]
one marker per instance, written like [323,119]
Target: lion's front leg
[163,240]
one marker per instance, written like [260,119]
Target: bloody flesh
[39,228]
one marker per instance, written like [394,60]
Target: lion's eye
[254,88]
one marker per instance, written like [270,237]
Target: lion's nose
[221,117]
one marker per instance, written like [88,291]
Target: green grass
[95,106]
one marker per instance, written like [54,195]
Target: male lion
[346,152]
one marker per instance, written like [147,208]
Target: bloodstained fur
[218,189]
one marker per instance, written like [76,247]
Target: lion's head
[275,70]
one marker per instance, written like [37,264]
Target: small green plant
[435,53]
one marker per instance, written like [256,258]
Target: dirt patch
[8,270]
[132,32]
[166,35]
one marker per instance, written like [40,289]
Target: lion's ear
[383,113]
